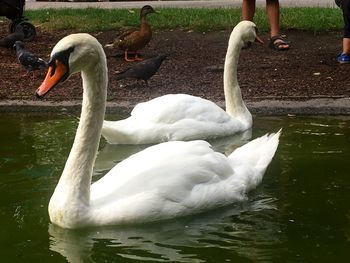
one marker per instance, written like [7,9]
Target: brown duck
[135,39]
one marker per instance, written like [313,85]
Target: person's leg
[273,14]
[346,45]
[346,14]
[248,9]
[344,56]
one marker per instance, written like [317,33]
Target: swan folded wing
[144,131]
[191,129]
[166,202]
[172,117]
[174,107]
[172,171]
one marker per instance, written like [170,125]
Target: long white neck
[233,97]
[74,184]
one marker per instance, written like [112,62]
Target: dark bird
[28,60]
[133,40]
[143,70]
[10,39]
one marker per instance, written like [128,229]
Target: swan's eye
[59,58]
[53,68]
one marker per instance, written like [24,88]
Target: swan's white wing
[176,107]
[177,166]
[172,117]
[164,181]
[178,178]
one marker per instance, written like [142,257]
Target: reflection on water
[110,155]
[300,212]
[239,230]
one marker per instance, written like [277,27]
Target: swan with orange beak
[162,182]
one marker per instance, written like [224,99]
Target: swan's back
[163,166]
[172,108]
[179,178]
[172,117]
[164,181]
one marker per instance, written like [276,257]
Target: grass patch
[94,20]
[315,19]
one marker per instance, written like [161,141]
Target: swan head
[247,32]
[73,53]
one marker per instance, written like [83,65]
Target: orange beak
[54,75]
[258,40]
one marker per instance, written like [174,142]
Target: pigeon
[143,70]
[10,39]
[28,60]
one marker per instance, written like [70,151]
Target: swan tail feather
[252,159]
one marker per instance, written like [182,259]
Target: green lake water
[300,212]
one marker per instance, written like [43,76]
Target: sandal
[276,43]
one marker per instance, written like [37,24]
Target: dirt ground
[195,66]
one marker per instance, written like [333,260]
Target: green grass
[94,20]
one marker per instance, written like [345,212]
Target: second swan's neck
[233,97]
[76,177]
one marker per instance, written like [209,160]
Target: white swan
[167,180]
[185,117]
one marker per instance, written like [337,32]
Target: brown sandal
[277,45]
